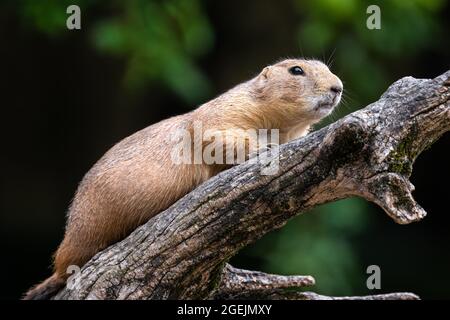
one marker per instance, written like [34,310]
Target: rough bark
[183,251]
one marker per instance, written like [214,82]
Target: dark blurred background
[67,96]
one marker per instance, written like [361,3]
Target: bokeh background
[68,96]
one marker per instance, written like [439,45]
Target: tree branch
[182,252]
[243,284]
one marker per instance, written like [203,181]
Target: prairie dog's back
[125,188]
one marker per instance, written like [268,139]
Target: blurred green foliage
[48,16]
[159,39]
[362,56]
[162,40]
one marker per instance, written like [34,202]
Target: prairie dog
[136,179]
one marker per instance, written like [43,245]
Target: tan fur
[137,179]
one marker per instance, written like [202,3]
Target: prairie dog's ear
[265,73]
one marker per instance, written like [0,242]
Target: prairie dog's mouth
[325,105]
[328,102]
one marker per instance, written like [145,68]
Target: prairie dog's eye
[296,71]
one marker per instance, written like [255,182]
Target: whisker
[301,49]
[348,97]
[331,58]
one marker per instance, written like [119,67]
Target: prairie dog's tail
[46,289]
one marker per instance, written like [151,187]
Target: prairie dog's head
[302,89]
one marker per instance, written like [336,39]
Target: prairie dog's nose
[336,89]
